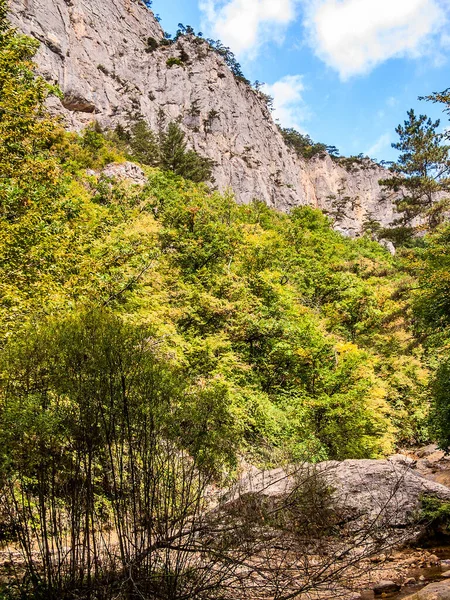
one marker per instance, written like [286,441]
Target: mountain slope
[98,52]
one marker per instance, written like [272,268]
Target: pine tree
[144,144]
[421,173]
[440,98]
[166,149]
[175,157]
[173,149]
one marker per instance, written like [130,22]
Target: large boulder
[386,587]
[434,591]
[377,490]
[389,487]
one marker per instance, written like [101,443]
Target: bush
[173,60]
[435,514]
[302,144]
[152,44]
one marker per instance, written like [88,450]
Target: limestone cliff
[98,52]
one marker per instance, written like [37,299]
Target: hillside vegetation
[155,335]
[285,336]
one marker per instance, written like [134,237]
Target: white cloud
[382,143]
[353,36]
[288,103]
[245,25]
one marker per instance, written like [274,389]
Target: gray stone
[403,460]
[426,451]
[126,171]
[434,591]
[386,587]
[376,490]
[389,246]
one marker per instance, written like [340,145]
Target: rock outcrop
[434,591]
[376,490]
[98,51]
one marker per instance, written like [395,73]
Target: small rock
[402,459]
[410,581]
[385,587]
[445,574]
[426,450]
[379,558]
[422,578]
[433,559]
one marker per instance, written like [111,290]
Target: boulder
[403,459]
[385,587]
[434,591]
[389,246]
[127,171]
[425,451]
[379,490]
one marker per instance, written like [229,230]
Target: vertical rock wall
[97,51]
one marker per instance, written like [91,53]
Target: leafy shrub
[152,44]
[173,60]
[435,514]
[302,144]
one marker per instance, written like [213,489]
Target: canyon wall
[98,53]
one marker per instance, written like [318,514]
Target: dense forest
[150,326]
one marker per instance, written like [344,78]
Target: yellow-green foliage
[293,323]
[290,340]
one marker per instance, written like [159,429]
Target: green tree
[432,314]
[440,414]
[302,144]
[144,144]
[167,150]
[175,156]
[421,173]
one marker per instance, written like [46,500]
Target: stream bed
[422,575]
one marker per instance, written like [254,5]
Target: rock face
[374,486]
[98,52]
[377,490]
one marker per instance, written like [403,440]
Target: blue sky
[344,71]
